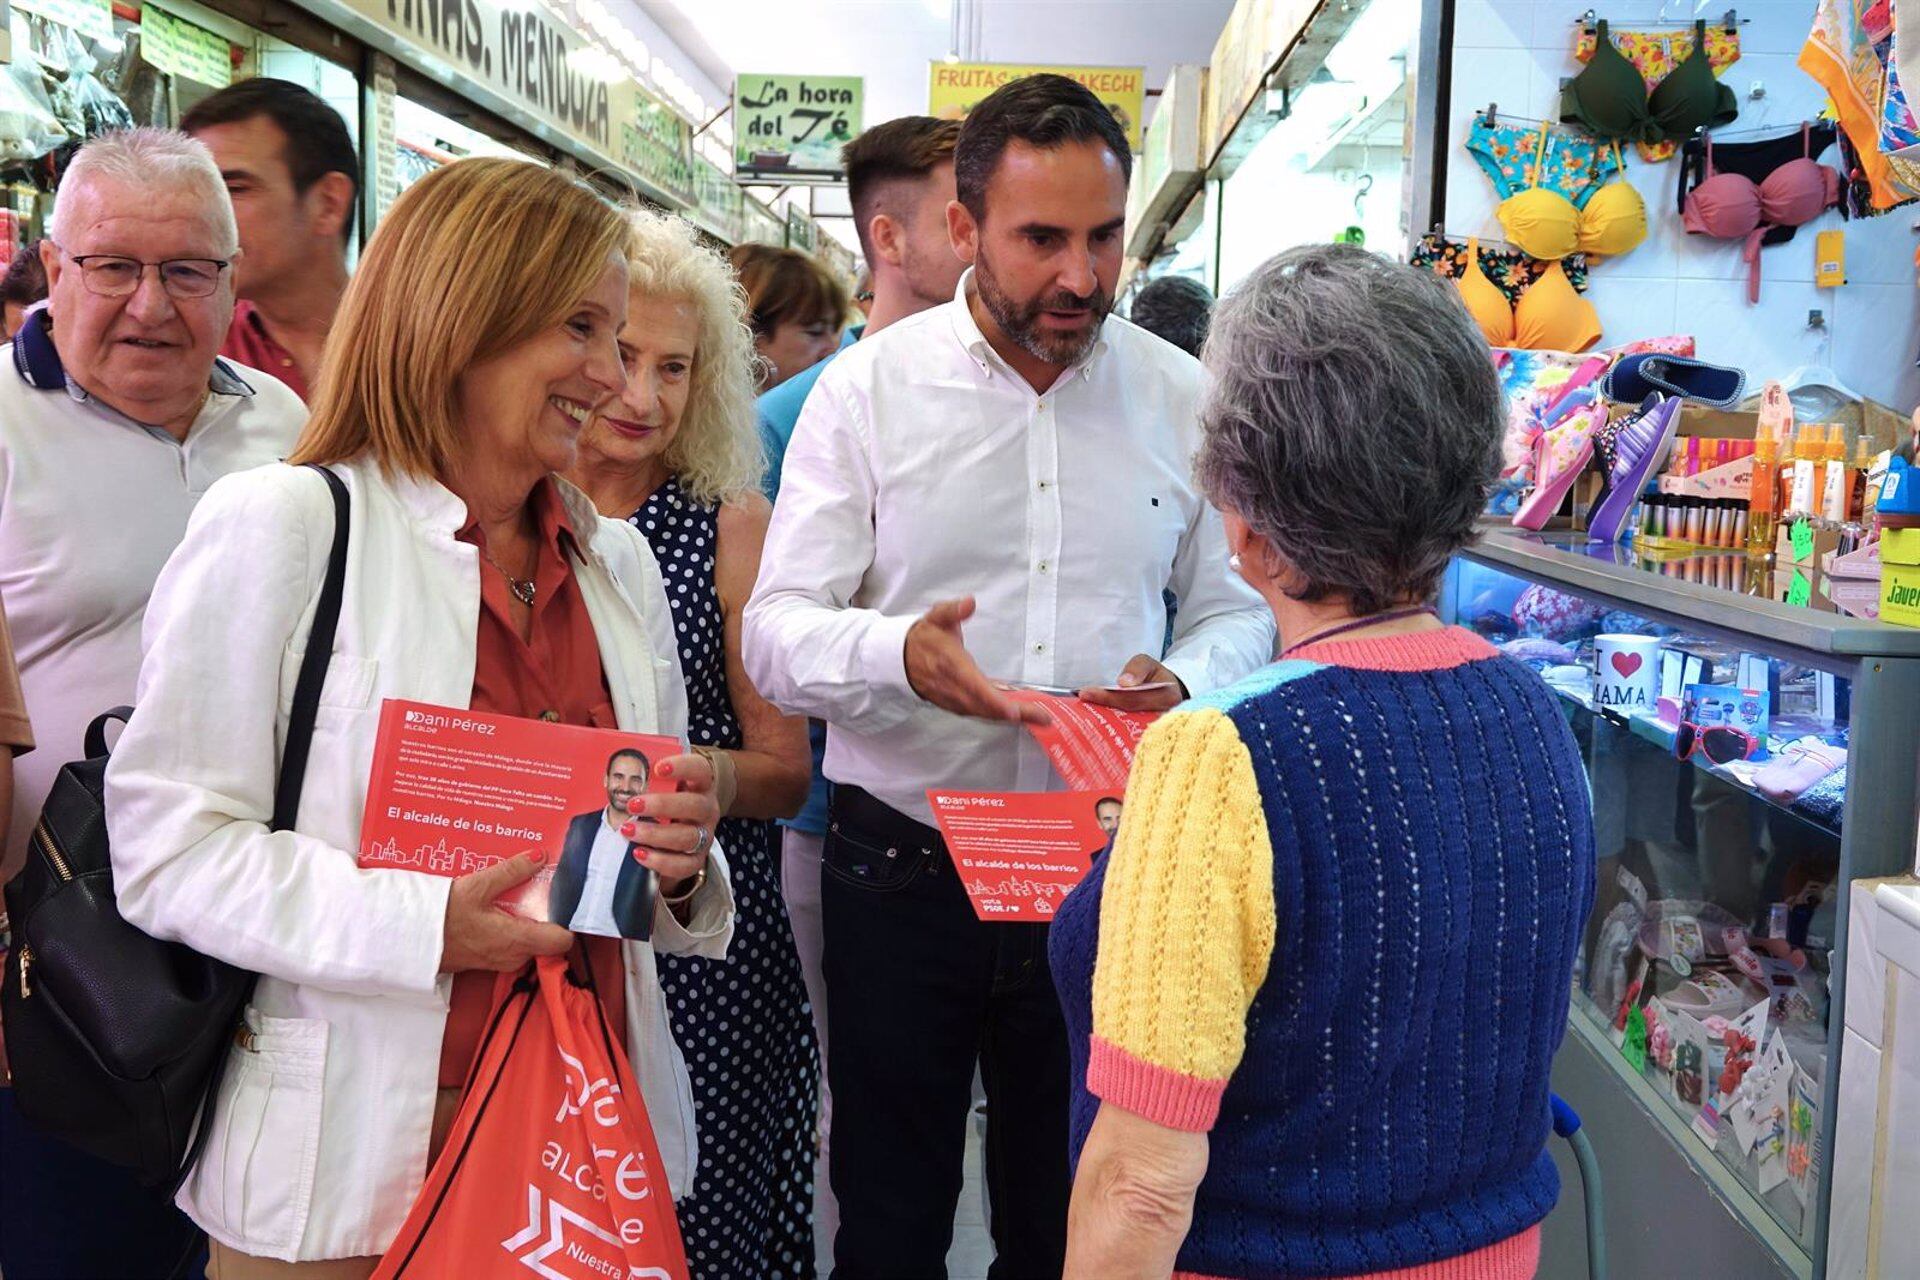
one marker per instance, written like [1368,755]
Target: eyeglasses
[1720,743]
[109,275]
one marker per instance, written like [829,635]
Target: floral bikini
[1511,271]
[1515,159]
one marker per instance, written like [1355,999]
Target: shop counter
[1750,762]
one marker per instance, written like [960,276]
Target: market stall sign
[179,48]
[802,234]
[91,18]
[761,225]
[955,88]
[839,259]
[521,54]
[792,127]
[720,205]
[656,143]
[1170,163]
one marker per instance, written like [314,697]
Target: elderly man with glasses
[115,416]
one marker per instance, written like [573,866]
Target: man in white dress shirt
[1018,462]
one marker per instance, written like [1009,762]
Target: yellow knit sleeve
[1186,924]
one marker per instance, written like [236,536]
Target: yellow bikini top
[1545,224]
[1551,315]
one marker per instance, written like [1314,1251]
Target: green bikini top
[1609,97]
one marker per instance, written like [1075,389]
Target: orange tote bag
[551,1168]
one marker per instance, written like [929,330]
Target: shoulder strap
[313,666]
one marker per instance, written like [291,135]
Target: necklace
[1355,624]
[522,588]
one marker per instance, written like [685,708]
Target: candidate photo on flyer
[598,885]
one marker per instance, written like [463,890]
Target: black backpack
[117,1039]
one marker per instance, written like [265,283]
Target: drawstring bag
[551,1166]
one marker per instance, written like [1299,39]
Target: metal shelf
[1876,837]
[1567,560]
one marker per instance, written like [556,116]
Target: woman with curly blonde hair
[678,455]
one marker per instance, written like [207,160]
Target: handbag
[118,1039]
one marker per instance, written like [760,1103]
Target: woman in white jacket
[476,338]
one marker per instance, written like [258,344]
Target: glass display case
[1748,760]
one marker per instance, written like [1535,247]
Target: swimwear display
[1516,159]
[1619,97]
[1654,54]
[1544,223]
[1511,271]
[1550,316]
[1758,191]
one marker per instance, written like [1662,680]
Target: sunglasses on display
[1720,743]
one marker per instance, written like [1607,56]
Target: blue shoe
[1634,378]
[1633,450]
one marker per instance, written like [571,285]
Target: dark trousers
[64,1214]
[919,991]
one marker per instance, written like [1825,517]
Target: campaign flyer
[452,791]
[1091,746]
[1020,854]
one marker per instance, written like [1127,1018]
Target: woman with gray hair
[1314,987]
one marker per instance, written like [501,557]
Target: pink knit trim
[1164,1096]
[1409,651]
[1515,1258]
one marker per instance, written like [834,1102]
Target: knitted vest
[1337,929]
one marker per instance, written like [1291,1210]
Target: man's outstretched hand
[942,671]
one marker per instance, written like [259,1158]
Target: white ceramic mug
[1626,673]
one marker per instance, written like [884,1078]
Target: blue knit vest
[1433,867]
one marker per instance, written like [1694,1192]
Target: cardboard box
[1717,424]
[1826,542]
[1900,546]
[1900,594]
[1900,577]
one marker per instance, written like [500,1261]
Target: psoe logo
[544,1240]
[599,1100]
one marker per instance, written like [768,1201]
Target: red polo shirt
[553,676]
[249,342]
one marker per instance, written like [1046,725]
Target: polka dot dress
[743,1023]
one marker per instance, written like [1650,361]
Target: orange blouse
[554,676]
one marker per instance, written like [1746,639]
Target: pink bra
[1731,206]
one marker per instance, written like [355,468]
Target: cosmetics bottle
[1837,482]
[1764,494]
[1809,448]
[1862,463]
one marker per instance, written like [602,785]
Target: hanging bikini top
[1609,96]
[1732,206]
[1550,316]
[1544,224]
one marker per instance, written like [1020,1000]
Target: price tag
[1633,1047]
[1800,590]
[1802,535]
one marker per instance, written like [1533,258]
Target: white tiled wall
[1517,53]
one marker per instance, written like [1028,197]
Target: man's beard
[1021,321]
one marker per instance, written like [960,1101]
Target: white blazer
[320,1131]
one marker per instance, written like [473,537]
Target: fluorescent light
[593,61]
